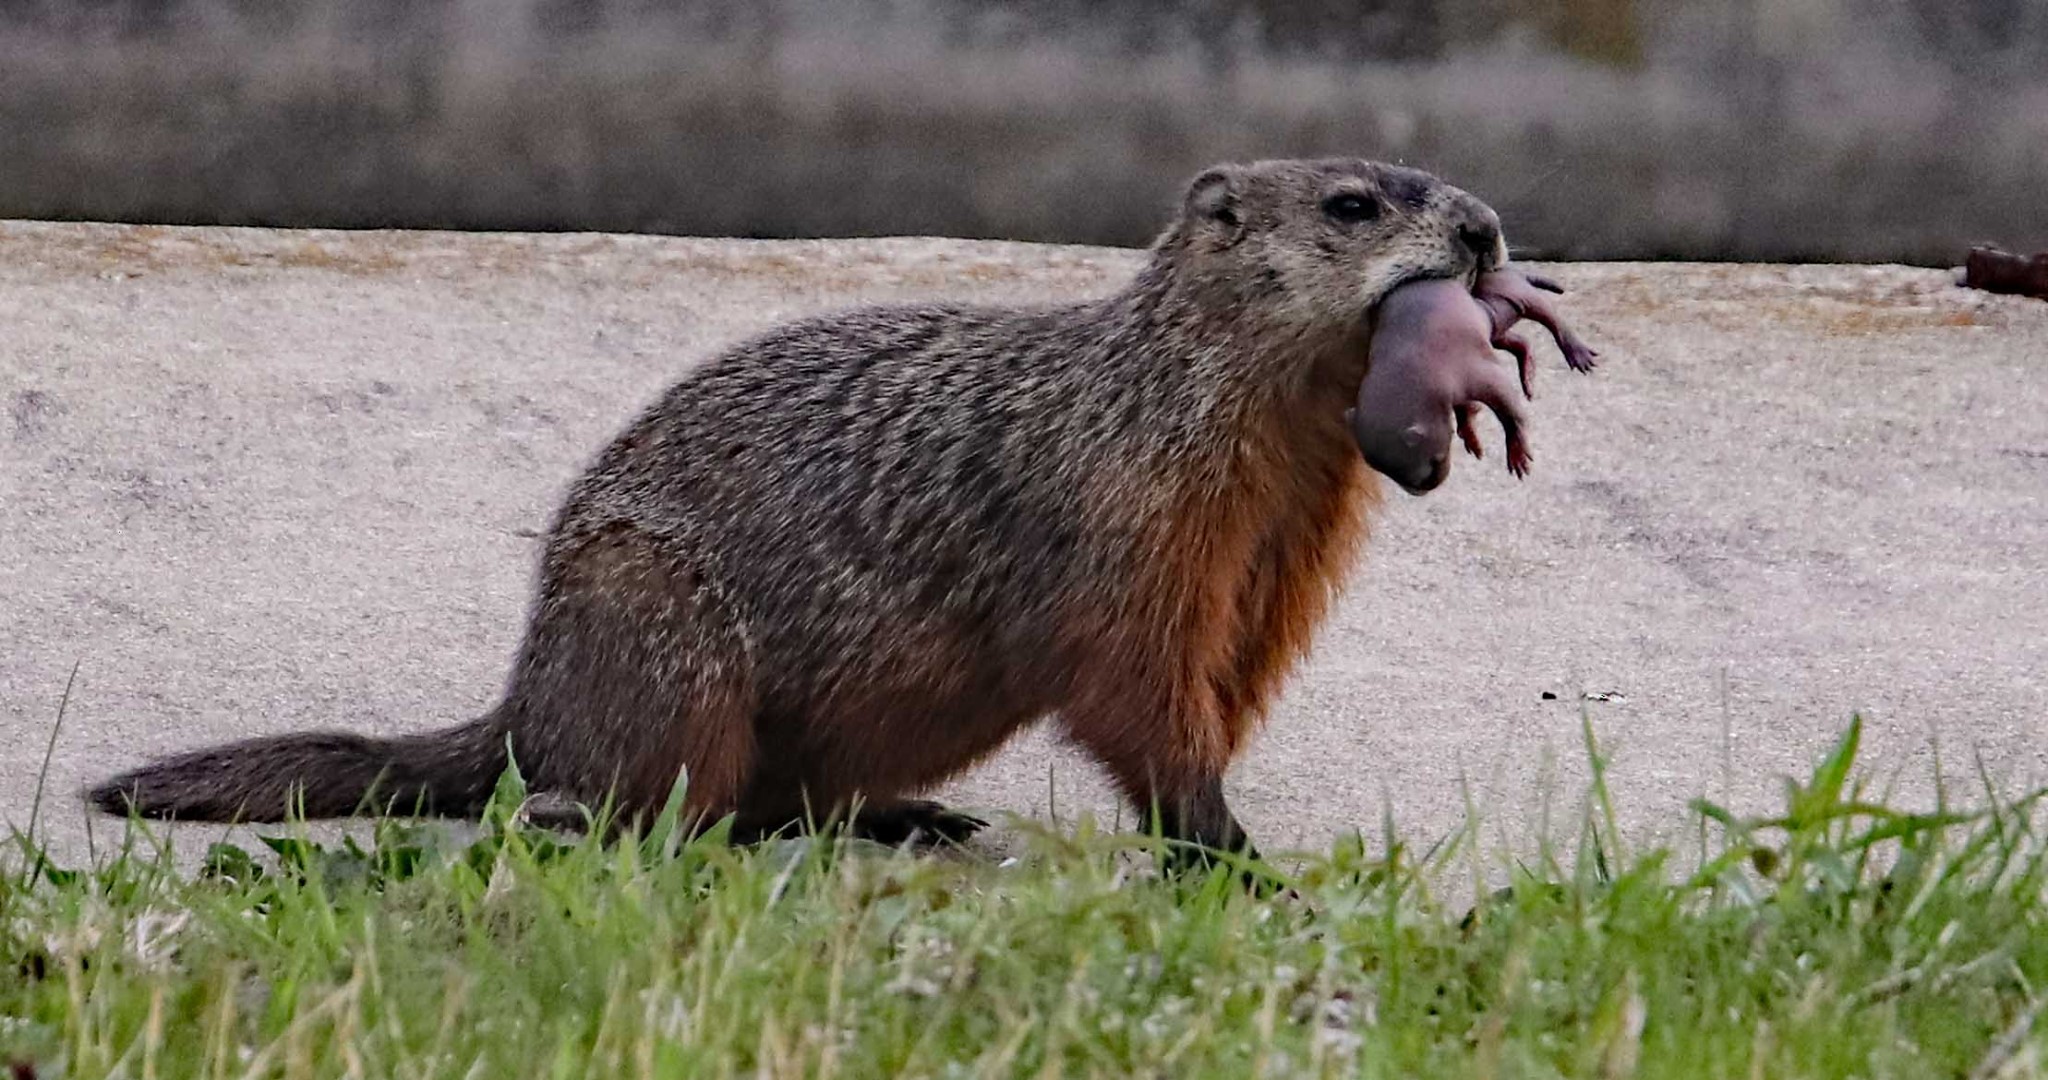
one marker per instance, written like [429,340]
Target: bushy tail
[320,774]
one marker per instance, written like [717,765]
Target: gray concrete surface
[255,481]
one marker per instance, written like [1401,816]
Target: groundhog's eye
[1350,206]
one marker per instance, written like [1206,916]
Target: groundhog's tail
[321,774]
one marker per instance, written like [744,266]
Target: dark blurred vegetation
[1754,129]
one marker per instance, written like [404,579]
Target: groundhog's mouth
[1469,278]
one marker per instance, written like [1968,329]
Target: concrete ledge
[252,481]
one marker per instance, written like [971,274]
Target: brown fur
[852,557]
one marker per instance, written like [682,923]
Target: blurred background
[1869,130]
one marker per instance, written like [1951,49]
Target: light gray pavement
[255,481]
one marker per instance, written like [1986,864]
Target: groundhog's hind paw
[915,821]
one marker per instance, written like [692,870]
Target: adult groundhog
[850,558]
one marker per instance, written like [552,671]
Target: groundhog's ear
[1212,201]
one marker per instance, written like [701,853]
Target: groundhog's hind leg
[914,821]
[903,821]
[634,669]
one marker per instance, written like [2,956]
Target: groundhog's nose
[1481,237]
[1479,231]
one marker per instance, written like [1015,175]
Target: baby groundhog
[1432,366]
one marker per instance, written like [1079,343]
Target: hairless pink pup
[1432,366]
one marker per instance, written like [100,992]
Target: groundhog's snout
[1479,231]
[1483,239]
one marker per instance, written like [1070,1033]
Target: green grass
[1839,939]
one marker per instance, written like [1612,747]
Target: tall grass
[1839,938]
[1852,129]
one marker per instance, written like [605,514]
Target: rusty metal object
[1999,271]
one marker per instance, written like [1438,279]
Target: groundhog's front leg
[1198,815]
[1180,800]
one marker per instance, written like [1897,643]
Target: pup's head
[1415,455]
[1431,347]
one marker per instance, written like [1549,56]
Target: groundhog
[850,558]
[1431,365]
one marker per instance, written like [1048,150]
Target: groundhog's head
[1320,242]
